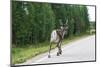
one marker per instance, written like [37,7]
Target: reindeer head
[64,27]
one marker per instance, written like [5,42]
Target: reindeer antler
[67,21]
[60,21]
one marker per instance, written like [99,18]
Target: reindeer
[57,36]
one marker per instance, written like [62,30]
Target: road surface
[79,50]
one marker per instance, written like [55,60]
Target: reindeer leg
[49,51]
[58,49]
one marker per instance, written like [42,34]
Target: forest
[33,22]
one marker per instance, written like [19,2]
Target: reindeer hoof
[60,52]
[49,56]
[57,54]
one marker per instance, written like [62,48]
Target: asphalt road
[79,50]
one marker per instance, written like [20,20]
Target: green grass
[22,54]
